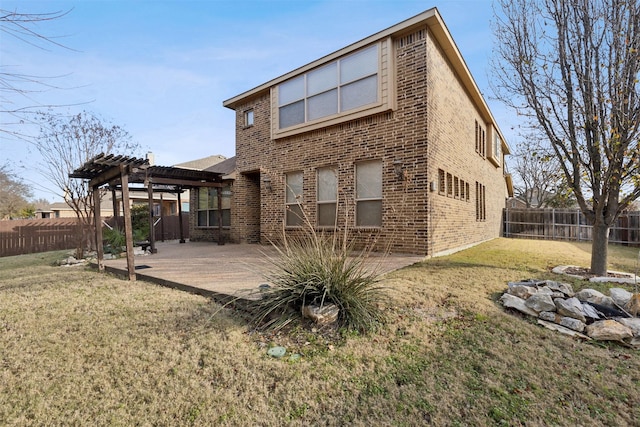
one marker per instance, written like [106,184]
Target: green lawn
[82,348]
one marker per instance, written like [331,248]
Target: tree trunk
[599,249]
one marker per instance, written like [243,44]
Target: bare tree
[572,67]
[18,90]
[14,194]
[538,178]
[65,144]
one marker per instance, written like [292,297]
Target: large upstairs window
[343,85]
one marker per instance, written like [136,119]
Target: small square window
[248,118]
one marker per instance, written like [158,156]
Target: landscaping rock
[526,282]
[591,312]
[550,316]
[516,303]
[540,302]
[608,330]
[591,295]
[564,288]
[571,323]
[632,323]
[522,291]
[571,307]
[620,296]
[545,290]
[597,317]
[322,315]
[562,329]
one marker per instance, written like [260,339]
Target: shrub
[319,268]
[114,239]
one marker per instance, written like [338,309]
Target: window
[211,205]
[456,187]
[494,150]
[442,187]
[481,208]
[327,197]
[369,194]
[481,142]
[449,185]
[293,200]
[248,118]
[346,84]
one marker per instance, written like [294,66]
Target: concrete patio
[221,271]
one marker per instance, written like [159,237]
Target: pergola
[118,172]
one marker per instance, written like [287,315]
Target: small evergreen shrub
[114,240]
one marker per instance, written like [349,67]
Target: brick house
[389,136]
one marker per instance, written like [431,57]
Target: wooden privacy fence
[27,236]
[567,224]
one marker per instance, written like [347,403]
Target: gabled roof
[225,167]
[201,164]
[430,18]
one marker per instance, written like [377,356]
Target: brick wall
[430,128]
[451,125]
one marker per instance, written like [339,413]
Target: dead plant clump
[82,348]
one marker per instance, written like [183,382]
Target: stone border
[631,279]
[586,314]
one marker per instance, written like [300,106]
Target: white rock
[620,296]
[565,288]
[522,291]
[562,329]
[590,311]
[632,323]
[516,303]
[591,295]
[324,315]
[571,323]
[570,307]
[540,302]
[549,316]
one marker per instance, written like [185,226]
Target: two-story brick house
[389,136]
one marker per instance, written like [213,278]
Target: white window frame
[366,198]
[325,199]
[293,200]
[385,91]
[249,117]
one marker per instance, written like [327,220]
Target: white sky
[162,68]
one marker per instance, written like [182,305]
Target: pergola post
[182,240]
[97,220]
[128,232]
[152,231]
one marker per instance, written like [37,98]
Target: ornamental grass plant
[314,267]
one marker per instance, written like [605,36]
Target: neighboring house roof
[201,164]
[226,168]
[432,19]
[59,206]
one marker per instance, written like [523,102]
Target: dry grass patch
[79,348]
